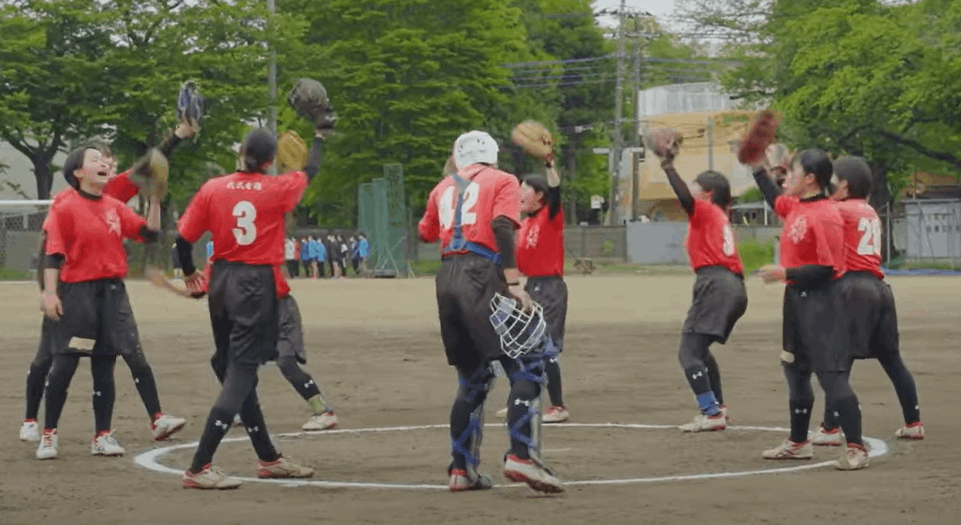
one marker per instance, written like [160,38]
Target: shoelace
[48,439]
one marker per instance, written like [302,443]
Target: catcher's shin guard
[527,386]
[471,397]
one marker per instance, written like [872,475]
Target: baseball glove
[663,142]
[762,133]
[309,98]
[291,152]
[150,174]
[536,140]
[190,104]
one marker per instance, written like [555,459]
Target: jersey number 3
[870,236]
[246,230]
[447,206]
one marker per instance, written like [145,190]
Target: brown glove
[150,174]
[291,152]
[536,140]
[762,133]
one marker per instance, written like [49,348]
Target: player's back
[488,193]
[246,214]
[862,236]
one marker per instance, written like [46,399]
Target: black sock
[58,382]
[830,417]
[256,426]
[904,386]
[554,391]
[714,375]
[36,381]
[298,378]
[800,419]
[104,390]
[143,379]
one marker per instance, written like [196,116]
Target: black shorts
[815,329]
[720,299]
[551,293]
[291,336]
[872,316]
[243,313]
[465,286]
[97,320]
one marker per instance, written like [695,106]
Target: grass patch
[10,274]
[755,254]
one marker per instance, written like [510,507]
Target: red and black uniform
[719,297]
[816,335]
[540,256]
[123,189]
[244,212]
[474,214]
[870,305]
[84,239]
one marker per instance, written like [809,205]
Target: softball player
[870,301]
[719,296]
[540,257]
[162,425]
[816,338]
[244,212]
[474,213]
[84,297]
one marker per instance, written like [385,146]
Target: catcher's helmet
[475,147]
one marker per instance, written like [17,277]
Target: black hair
[259,147]
[818,163]
[718,185]
[539,183]
[73,163]
[858,174]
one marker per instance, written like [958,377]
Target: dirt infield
[374,346]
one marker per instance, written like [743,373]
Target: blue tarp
[919,272]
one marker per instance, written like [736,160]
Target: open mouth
[102,173]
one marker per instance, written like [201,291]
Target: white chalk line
[149,459]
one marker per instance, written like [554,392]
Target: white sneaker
[49,448]
[324,421]
[30,431]
[106,445]
[538,478]
[166,425]
[209,478]
[790,450]
[855,457]
[705,423]
[556,414]
[912,431]
[827,438]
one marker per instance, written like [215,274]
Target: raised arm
[315,157]
[767,186]
[679,186]
[553,191]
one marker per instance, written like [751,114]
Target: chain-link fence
[20,225]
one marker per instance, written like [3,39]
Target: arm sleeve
[767,186]
[810,275]
[121,187]
[193,223]
[293,185]
[185,252]
[553,201]
[428,229]
[504,237]
[680,189]
[168,146]
[131,224]
[314,159]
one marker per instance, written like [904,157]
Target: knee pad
[473,390]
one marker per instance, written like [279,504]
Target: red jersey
[710,238]
[540,244]
[862,236]
[491,193]
[89,233]
[280,282]
[121,187]
[813,233]
[245,214]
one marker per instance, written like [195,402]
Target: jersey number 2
[246,230]
[447,206]
[870,236]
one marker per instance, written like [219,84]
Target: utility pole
[618,111]
[636,92]
[272,78]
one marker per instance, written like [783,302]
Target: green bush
[755,254]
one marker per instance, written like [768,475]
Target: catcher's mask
[718,185]
[475,147]
[521,332]
[857,173]
[259,148]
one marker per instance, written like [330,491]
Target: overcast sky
[656,7]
